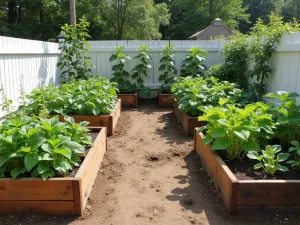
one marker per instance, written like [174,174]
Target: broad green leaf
[218,132]
[207,139]
[47,174]
[243,134]
[283,157]
[36,141]
[43,167]
[283,168]
[3,160]
[220,144]
[15,172]
[251,145]
[30,161]
[75,147]
[252,155]
[258,166]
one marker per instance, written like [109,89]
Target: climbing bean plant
[167,68]
[141,70]
[193,65]
[75,63]
[120,74]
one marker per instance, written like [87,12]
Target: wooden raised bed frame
[56,196]
[165,100]
[129,100]
[109,121]
[236,193]
[188,123]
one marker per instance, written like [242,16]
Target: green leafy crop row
[193,93]
[82,97]
[40,147]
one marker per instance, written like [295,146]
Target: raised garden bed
[165,100]
[188,123]
[55,196]
[240,193]
[129,100]
[109,121]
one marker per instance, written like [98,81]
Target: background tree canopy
[137,19]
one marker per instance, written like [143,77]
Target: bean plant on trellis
[141,70]
[167,68]
[193,65]
[119,73]
[75,62]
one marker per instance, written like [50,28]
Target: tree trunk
[12,12]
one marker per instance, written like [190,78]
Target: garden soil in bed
[151,175]
[243,170]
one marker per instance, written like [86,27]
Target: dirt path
[151,175]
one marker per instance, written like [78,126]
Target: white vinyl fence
[33,63]
[26,63]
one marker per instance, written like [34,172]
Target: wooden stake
[73,12]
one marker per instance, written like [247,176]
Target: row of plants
[133,81]
[265,132]
[190,93]
[34,143]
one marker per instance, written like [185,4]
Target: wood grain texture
[269,193]
[188,123]
[90,166]
[129,100]
[44,207]
[165,100]
[36,189]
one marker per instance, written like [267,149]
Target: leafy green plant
[237,130]
[95,96]
[141,70]
[40,147]
[193,65]
[167,69]
[286,115]
[263,39]
[75,62]
[235,66]
[191,93]
[6,103]
[295,162]
[120,74]
[270,160]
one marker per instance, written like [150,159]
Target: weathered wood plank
[44,207]
[36,189]
[269,193]
[129,100]
[165,100]
[188,123]
[91,165]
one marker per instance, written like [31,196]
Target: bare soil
[243,170]
[152,175]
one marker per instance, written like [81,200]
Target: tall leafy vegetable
[40,147]
[120,74]
[75,62]
[237,130]
[141,70]
[286,114]
[270,160]
[193,65]
[82,97]
[295,150]
[167,68]
[192,93]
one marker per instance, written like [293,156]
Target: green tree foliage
[190,16]
[291,9]
[133,19]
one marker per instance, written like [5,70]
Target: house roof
[216,22]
